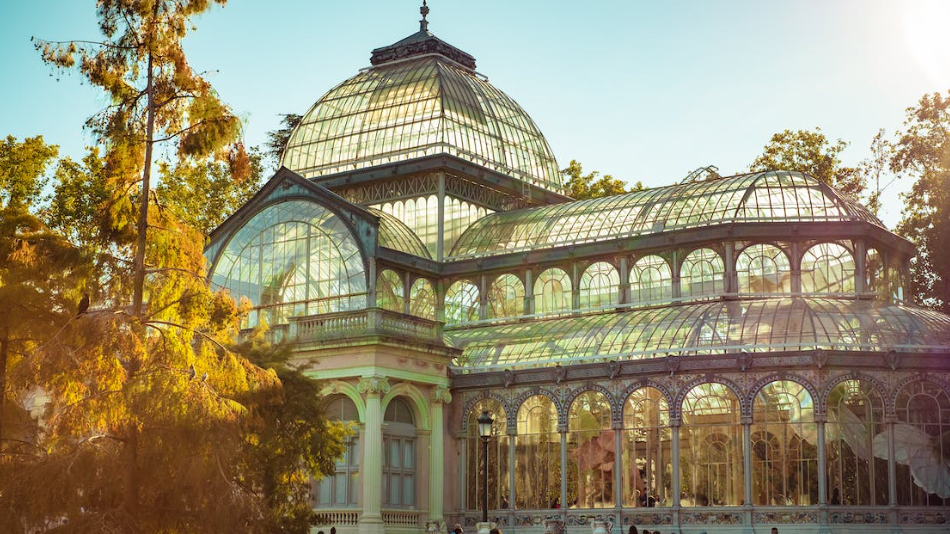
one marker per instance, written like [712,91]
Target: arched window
[857,474]
[647,467]
[590,452]
[922,446]
[390,293]
[784,446]
[651,280]
[702,273]
[827,268]
[422,299]
[291,259]
[505,297]
[874,266]
[497,458]
[399,455]
[711,456]
[461,303]
[537,456]
[342,489]
[421,215]
[599,286]
[552,291]
[763,269]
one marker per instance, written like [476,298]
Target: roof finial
[424,24]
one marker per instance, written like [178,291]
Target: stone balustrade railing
[359,323]
[337,517]
[402,518]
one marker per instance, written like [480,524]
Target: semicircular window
[291,259]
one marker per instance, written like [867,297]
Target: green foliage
[582,186]
[810,152]
[23,169]
[874,170]
[922,152]
[277,139]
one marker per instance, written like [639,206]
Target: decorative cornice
[373,385]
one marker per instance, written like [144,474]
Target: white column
[436,459]
[371,471]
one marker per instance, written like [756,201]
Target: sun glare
[927,35]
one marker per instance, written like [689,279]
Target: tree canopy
[582,186]
[810,152]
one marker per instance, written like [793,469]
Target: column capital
[441,395]
[373,385]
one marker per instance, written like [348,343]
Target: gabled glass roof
[756,326]
[415,107]
[397,236]
[774,196]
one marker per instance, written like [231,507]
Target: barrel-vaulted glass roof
[773,196]
[756,326]
[394,234]
[416,107]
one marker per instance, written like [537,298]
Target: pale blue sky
[643,90]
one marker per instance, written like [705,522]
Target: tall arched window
[497,458]
[784,446]
[922,445]
[505,297]
[827,268]
[390,293]
[537,456]
[422,299]
[763,269]
[651,280]
[711,456]
[552,291]
[874,266]
[647,468]
[399,455]
[341,490]
[590,452]
[855,418]
[461,303]
[702,274]
[599,285]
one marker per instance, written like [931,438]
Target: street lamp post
[484,430]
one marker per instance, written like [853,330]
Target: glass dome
[420,106]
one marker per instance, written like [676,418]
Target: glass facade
[652,281]
[498,476]
[537,456]
[506,297]
[552,291]
[764,268]
[599,286]
[461,303]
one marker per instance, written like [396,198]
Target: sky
[644,91]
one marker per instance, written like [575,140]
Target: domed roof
[421,97]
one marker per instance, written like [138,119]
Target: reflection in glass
[702,274]
[855,418]
[505,297]
[552,291]
[390,294]
[827,268]
[651,280]
[763,269]
[647,467]
[599,285]
[538,455]
[590,452]
[461,303]
[711,471]
[922,445]
[498,498]
[784,446]
[422,299]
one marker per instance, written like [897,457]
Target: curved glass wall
[763,269]
[857,474]
[784,446]
[922,445]
[552,291]
[537,455]
[828,268]
[702,274]
[599,286]
[774,196]
[293,258]
[497,458]
[711,455]
[651,280]
[390,293]
[394,234]
[422,299]
[647,472]
[505,297]
[420,215]
[420,107]
[591,450]
[461,303]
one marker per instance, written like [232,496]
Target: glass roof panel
[774,196]
[757,326]
[397,236]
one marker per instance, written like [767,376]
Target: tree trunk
[138,263]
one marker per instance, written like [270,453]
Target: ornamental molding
[373,385]
[441,395]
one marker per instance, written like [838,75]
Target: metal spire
[424,24]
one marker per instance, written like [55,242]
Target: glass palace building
[726,354]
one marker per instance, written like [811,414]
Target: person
[774,530]
[556,503]
[835,497]
[494,531]
[332,530]
[633,529]
[457,529]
